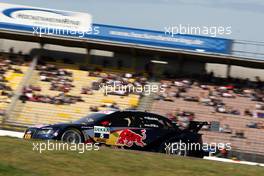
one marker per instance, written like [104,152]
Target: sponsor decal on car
[129,138]
[27,135]
[151,118]
[101,132]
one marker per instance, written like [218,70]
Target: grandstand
[12,74]
[234,126]
[43,87]
[36,111]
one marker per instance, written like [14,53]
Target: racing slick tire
[174,147]
[72,136]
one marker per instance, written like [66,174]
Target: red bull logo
[128,138]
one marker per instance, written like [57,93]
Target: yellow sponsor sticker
[27,136]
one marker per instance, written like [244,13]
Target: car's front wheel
[72,136]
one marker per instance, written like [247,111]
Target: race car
[129,129]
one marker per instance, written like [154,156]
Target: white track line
[233,161]
[11,133]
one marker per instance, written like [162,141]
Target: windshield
[90,118]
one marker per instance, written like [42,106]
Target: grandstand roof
[130,47]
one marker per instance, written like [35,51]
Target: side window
[125,119]
[119,121]
[136,120]
[115,120]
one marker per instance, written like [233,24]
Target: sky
[244,17]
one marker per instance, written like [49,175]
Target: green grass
[18,158]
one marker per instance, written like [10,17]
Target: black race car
[126,129]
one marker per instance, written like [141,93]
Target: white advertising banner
[46,18]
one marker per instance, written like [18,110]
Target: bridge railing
[248,49]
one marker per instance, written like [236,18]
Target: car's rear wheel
[72,136]
[174,147]
[177,151]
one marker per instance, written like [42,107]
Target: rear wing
[196,126]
